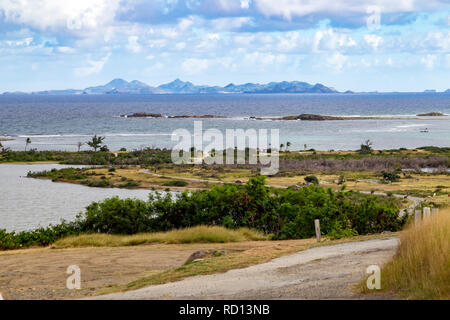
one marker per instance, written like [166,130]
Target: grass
[199,234]
[421,267]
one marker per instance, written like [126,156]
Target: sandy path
[318,273]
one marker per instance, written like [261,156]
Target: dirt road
[319,273]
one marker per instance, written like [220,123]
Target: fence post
[417,216]
[426,213]
[317,228]
[434,211]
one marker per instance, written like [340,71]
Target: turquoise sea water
[60,122]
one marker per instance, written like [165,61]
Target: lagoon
[27,203]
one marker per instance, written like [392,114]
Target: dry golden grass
[199,234]
[421,266]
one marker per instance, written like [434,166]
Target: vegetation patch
[278,213]
[175,183]
[199,234]
[421,267]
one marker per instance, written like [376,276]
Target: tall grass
[421,267]
[199,234]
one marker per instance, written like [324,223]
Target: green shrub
[116,216]
[130,184]
[312,179]
[103,183]
[391,176]
[175,183]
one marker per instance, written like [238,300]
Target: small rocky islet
[303,117]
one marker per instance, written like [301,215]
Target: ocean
[60,122]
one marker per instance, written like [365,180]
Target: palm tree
[281,146]
[27,142]
[288,144]
[96,142]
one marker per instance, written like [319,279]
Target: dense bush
[38,237]
[175,183]
[285,213]
[391,176]
[137,157]
[312,179]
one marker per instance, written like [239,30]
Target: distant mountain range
[120,86]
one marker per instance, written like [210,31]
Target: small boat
[424,130]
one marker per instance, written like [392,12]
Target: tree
[288,144]
[27,142]
[96,142]
[312,179]
[392,176]
[366,147]
[281,146]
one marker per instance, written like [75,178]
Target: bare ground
[328,272]
[41,273]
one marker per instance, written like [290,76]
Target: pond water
[27,203]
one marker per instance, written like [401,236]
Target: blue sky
[53,44]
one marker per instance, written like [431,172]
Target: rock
[142,115]
[205,116]
[317,117]
[290,118]
[432,114]
[201,254]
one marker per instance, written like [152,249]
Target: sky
[376,45]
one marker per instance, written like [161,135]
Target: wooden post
[417,216]
[434,211]
[317,227]
[426,213]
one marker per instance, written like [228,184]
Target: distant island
[120,86]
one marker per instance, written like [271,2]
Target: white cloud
[66,50]
[298,8]
[133,44]
[325,40]
[56,14]
[245,4]
[194,65]
[230,23]
[373,40]
[94,66]
[337,61]
[264,58]
[20,43]
[429,61]
[180,45]
[185,23]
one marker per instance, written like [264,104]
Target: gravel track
[320,273]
